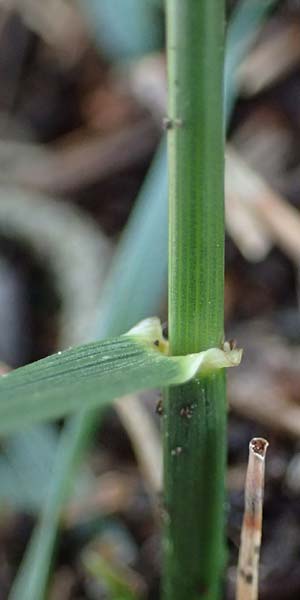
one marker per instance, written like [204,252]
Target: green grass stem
[195,414]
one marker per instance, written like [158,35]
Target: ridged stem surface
[195,413]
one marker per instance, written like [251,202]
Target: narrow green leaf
[140,261]
[140,264]
[31,581]
[93,375]
[26,463]
[115,578]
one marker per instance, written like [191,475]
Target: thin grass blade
[93,375]
[127,276]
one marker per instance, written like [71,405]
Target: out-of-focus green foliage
[243,28]
[124,29]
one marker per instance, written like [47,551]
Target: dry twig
[72,166]
[270,214]
[275,55]
[247,578]
[57,22]
[145,440]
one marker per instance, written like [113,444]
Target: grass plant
[195,326]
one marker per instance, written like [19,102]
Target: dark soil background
[80,126]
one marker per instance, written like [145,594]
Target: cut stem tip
[248,566]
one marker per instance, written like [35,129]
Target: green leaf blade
[93,375]
[86,377]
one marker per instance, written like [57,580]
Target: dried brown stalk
[275,56]
[72,166]
[247,578]
[270,213]
[273,409]
[145,440]
[57,22]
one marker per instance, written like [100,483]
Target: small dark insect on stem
[165,330]
[159,408]
[169,123]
